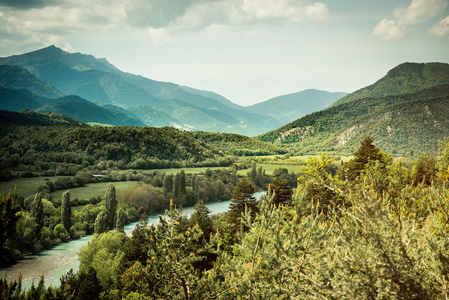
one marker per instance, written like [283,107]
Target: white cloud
[419,11]
[441,28]
[203,14]
[388,30]
[50,19]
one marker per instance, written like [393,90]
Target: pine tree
[282,191]
[242,197]
[366,153]
[66,211]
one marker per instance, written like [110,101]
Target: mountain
[125,116]
[15,100]
[156,118]
[84,111]
[31,118]
[293,106]
[16,78]
[400,123]
[405,78]
[97,80]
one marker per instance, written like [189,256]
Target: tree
[102,222]
[111,205]
[176,186]
[282,191]
[168,184]
[201,218]
[66,211]
[10,213]
[182,182]
[242,197]
[121,220]
[37,210]
[424,169]
[367,152]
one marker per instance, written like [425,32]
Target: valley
[354,186]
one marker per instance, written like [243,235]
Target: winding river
[57,261]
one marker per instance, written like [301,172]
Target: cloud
[441,28]
[388,30]
[202,14]
[38,21]
[419,11]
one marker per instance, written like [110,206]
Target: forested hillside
[411,117]
[405,78]
[46,148]
[235,144]
[31,118]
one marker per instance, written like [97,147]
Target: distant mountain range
[92,90]
[406,112]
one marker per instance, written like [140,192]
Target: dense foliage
[378,234]
[31,118]
[235,144]
[47,148]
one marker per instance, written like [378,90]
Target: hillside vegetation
[401,120]
[405,78]
[235,144]
[46,148]
[31,118]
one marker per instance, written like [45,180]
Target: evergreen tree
[37,210]
[242,197]
[366,153]
[66,211]
[111,205]
[201,218]
[282,191]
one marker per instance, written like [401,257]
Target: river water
[57,261]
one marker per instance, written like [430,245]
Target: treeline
[66,150]
[377,229]
[236,144]
[39,222]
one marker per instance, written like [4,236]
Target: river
[57,261]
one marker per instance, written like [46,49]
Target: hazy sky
[246,50]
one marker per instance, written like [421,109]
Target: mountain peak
[405,78]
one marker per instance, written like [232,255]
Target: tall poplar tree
[66,211]
[111,205]
[37,210]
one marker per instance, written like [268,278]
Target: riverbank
[57,261]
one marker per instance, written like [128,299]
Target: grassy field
[93,190]
[27,186]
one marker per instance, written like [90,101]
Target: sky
[246,50]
